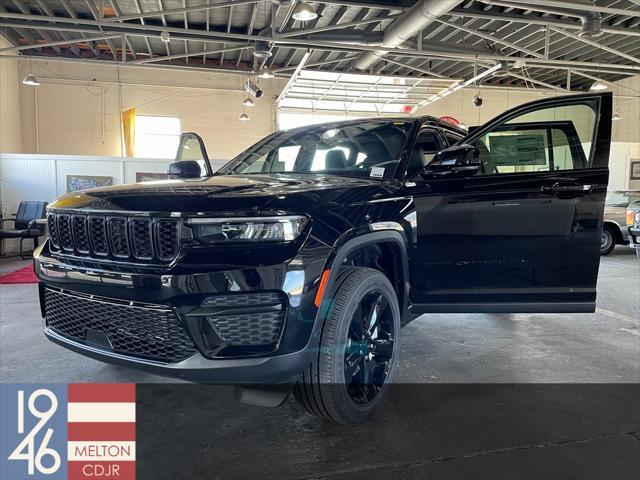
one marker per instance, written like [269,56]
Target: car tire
[333,386]
[608,240]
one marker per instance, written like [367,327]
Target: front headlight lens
[253,229]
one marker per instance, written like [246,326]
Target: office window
[156,137]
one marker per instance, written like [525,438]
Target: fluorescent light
[304,12]
[598,85]
[31,80]
[248,102]
[244,117]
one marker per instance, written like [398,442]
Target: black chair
[26,223]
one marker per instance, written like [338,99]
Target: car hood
[225,193]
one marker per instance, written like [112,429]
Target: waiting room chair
[25,223]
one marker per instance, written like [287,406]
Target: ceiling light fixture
[165,36]
[31,80]
[598,85]
[244,117]
[616,116]
[304,12]
[248,102]
[266,73]
[261,50]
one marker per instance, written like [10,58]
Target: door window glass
[555,138]
[191,148]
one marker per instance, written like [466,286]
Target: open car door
[520,230]
[191,148]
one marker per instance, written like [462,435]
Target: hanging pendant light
[598,85]
[244,117]
[248,102]
[30,79]
[266,73]
[304,12]
[616,116]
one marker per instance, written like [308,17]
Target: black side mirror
[459,160]
[184,169]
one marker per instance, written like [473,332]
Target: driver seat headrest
[335,159]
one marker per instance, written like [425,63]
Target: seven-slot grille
[119,237]
[152,332]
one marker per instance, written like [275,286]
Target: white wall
[44,177]
[76,108]
[10,140]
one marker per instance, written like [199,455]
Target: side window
[190,148]
[427,145]
[451,138]
[556,138]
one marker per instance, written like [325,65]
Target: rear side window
[550,139]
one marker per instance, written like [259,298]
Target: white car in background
[614,231]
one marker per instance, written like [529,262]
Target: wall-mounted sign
[635,170]
[83,182]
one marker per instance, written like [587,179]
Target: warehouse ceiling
[541,43]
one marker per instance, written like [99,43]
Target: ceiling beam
[576,7]
[195,8]
[596,44]
[534,20]
[189,54]
[59,42]
[56,23]
[293,78]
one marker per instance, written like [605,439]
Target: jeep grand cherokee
[296,264]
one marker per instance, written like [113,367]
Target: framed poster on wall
[76,183]
[635,170]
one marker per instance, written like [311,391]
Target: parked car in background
[614,231]
[633,226]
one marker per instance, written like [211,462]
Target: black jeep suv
[296,264]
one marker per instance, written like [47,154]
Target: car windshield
[367,148]
[622,197]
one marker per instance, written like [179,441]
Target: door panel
[524,235]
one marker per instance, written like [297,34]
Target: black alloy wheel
[358,352]
[369,347]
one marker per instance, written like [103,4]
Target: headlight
[251,229]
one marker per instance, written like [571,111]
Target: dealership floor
[426,427]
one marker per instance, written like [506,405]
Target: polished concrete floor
[485,396]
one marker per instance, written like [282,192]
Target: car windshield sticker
[377,172]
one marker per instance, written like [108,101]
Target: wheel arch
[617,231]
[387,236]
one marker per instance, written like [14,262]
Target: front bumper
[185,293]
